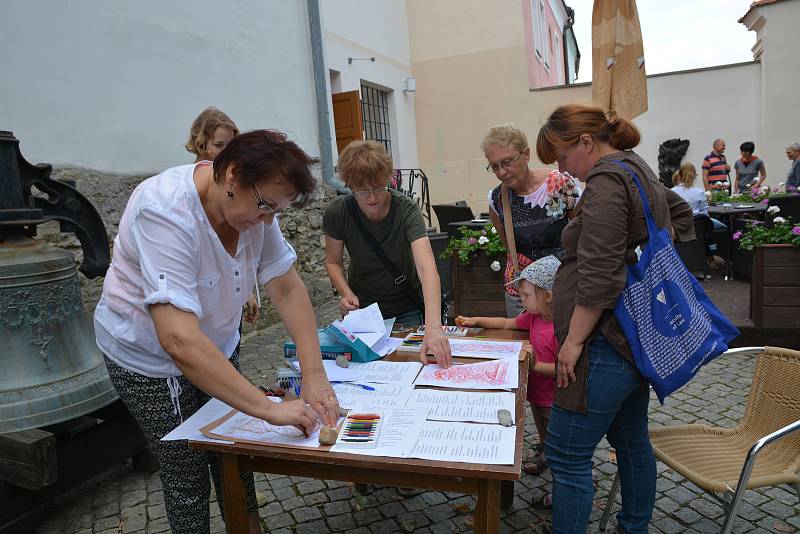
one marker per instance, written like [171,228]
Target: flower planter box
[775,287]
[477,289]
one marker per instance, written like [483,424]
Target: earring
[230,194]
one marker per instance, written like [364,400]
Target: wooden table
[728,212]
[482,480]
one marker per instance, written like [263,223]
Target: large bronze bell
[50,368]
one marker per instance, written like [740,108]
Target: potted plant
[478,257]
[775,286]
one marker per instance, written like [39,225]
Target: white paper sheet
[378,371]
[464,406]
[365,320]
[387,345]
[484,348]
[368,325]
[398,433]
[352,395]
[493,374]
[242,426]
[190,428]
[466,442]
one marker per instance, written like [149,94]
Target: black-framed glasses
[262,204]
[506,163]
[369,192]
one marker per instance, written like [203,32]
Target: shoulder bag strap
[400,279]
[508,225]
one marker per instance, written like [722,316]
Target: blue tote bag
[672,326]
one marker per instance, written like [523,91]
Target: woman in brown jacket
[600,392]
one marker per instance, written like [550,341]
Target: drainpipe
[570,26]
[323,102]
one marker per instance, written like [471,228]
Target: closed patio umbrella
[618,75]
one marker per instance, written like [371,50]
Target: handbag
[672,326]
[400,279]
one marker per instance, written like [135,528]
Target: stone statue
[670,155]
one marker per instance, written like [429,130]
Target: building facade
[474,71]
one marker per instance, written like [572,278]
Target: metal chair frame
[731,500]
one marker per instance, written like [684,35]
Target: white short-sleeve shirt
[167,252]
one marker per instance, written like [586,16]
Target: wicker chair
[727,461]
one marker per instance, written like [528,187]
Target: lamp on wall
[410,85]
[351,59]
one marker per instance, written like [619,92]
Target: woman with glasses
[394,223]
[536,224]
[193,242]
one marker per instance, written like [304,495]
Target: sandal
[535,467]
[545,502]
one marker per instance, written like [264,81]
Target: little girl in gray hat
[535,286]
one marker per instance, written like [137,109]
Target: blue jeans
[617,404]
[413,317]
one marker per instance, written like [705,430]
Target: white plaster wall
[381,26]
[701,106]
[780,81]
[363,29]
[114,86]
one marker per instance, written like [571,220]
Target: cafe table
[483,480]
[728,212]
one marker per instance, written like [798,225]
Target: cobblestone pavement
[125,501]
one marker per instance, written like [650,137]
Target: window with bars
[375,115]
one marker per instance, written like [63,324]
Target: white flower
[495,266]
[773,209]
[781,184]
[482,240]
[779,220]
[726,183]
[708,194]
[494,230]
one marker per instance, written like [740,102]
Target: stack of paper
[368,325]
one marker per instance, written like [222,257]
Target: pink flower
[796,230]
[765,201]
[757,223]
[472,240]
[737,236]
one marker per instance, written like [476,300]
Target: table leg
[487,511]
[233,490]
[728,254]
[506,494]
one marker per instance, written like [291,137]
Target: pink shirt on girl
[541,388]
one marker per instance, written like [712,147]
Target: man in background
[716,171]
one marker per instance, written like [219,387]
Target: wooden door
[347,119]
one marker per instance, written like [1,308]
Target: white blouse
[695,197]
[167,252]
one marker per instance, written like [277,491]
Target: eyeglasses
[262,204]
[370,192]
[506,163]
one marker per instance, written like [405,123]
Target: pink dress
[541,388]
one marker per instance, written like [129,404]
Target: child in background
[211,131]
[535,286]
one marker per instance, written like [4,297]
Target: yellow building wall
[468,57]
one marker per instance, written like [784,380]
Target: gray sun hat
[541,273]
